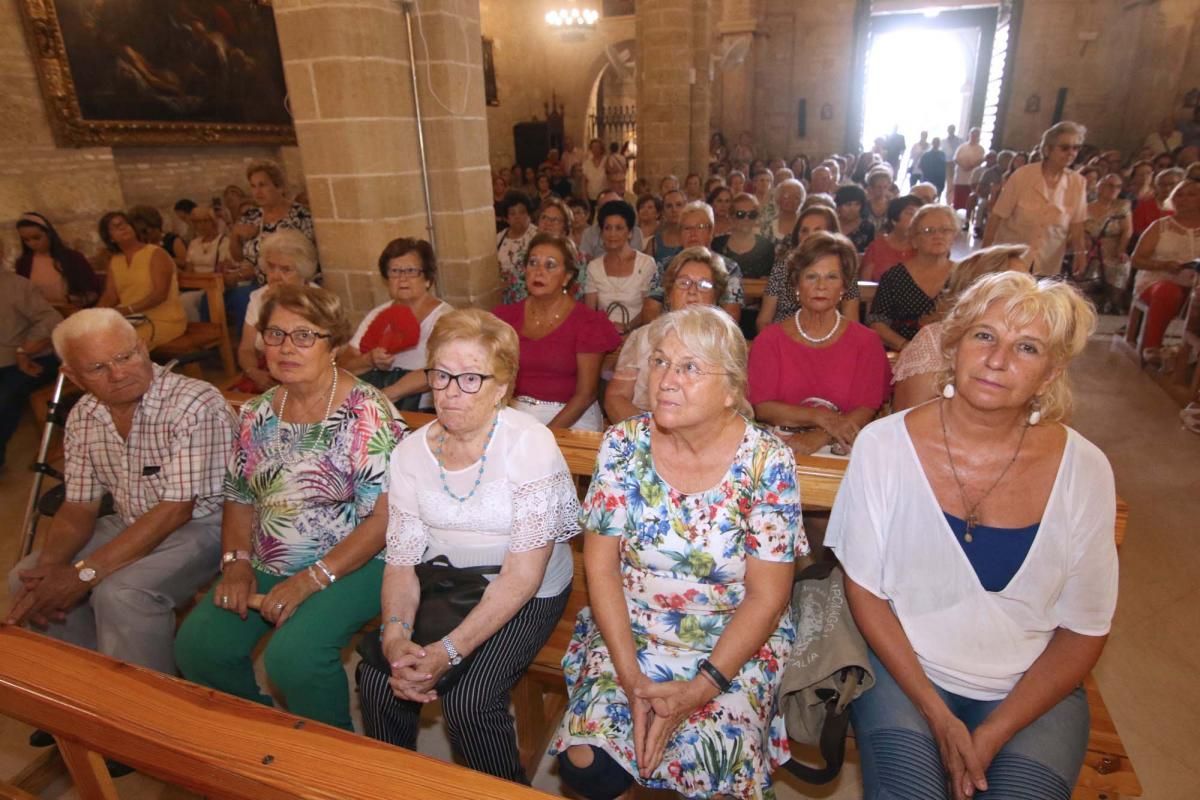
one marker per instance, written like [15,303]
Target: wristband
[715,675]
[313,574]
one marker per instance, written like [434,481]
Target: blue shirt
[996,554]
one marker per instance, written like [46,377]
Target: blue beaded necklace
[482,462]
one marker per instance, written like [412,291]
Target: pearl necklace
[328,405]
[437,454]
[819,340]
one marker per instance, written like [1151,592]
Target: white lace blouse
[525,500]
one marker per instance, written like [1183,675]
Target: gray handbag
[827,670]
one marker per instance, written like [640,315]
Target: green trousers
[304,657]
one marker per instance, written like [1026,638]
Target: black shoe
[116,769]
[41,738]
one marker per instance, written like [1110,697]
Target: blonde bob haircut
[490,332]
[710,335]
[980,263]
[1026,301]
[314,305]
[697,255]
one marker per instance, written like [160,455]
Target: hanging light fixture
[573,18]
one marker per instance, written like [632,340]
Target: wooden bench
[203,740]
[202,336]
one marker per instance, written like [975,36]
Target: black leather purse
[448,594]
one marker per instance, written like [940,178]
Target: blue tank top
[995,553]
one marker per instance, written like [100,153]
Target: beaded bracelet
[715,675]
[321,565]
[395,621]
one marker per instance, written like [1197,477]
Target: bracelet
[328,572]
[715,675]
[395,621]
[313,574]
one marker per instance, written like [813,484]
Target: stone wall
[74,186]
[531,62]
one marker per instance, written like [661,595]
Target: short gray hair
[699,207]
[711,335]
[294,245]
[1056,132]
[87,322]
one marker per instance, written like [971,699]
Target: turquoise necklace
[482,462]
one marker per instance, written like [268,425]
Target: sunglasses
[745,214]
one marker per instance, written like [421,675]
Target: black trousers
[15,388]
[480,727]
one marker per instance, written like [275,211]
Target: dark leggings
[603,779]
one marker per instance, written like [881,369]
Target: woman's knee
[593,773]
[293,661]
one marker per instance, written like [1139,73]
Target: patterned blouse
[298,218]
[310,484]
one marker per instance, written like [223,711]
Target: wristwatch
[231,556]
[86,573]
[452,651]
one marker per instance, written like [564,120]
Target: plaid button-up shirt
[176,451]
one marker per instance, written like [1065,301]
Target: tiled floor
[1148,671]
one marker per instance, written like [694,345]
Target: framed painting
[155,72]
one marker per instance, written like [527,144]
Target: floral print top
[683,567]
[510,253]
[310,484]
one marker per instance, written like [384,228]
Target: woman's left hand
[287,596]
[987,742]
[672,702]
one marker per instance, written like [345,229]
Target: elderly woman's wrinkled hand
[410,678]
[380,358]
[671,703]
[841,428]
[234,590]
[806,443]
[287,596]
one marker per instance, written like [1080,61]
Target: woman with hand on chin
[482,485]
[692,522]
[818,376]
[976,533]
[562,341]
[304,521]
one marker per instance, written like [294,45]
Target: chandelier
[572,18]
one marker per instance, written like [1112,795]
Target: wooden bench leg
[88,771]
[538,714]
[38,774]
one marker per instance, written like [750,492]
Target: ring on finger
[278,606]
[224,599]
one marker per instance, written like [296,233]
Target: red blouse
[548,365]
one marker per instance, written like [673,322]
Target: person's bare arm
[146,533]
[412,383]
[602,564]
[1126,235]
[162,271]
[109,297]
[1143,253]
[587,386]
[618,398]
[914,390]
[69,531]
[890,338]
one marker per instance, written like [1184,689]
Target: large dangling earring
[1035,415]
[948,391]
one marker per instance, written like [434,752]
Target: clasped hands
[415,668]
[658,709]
[237,586]
[966,755]
[47,593]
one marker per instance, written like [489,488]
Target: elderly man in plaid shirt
[158,442]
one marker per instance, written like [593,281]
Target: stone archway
[612,97]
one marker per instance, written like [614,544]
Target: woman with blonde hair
[907,295]
[976,534]
[918,366]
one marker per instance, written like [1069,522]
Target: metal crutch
[41,467]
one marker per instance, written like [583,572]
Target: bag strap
[443,562]
[832,745]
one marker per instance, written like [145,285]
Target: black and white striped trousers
[480,727]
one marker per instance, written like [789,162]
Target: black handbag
[448,594]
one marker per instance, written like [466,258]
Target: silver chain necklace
[972,517]
[822,339]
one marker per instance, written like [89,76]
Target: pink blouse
[851,373]
[548,366]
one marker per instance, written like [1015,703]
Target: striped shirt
[176,451]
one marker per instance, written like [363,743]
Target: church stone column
[739,19]
[350,89]
[672,87]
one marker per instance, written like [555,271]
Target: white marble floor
[1148,671]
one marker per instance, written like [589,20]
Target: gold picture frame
[178,110]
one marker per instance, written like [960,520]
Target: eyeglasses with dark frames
[468,382]
[301,337]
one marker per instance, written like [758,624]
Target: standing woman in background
[63,276]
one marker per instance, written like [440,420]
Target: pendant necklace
[972,516]
[820,339]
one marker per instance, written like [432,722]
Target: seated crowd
[319,509]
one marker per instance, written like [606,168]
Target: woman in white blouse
[482,485]
[976,533]
[617,282]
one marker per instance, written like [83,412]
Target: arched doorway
[612,102]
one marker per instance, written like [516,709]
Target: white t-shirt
[525,500]
[204,256]
[966,158]
[621,298]
[892,539]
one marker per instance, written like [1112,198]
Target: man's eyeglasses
[687,284]
[404,272]
[301,337]
[468,382]
[746,214]
[98,368]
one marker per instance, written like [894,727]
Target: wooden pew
[206,741]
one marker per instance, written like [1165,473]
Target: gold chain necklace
[972,517]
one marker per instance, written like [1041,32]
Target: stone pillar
[739,19]
[672,87]
[347,69]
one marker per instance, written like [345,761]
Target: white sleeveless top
[1175,243]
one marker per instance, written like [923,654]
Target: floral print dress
[683,566]
[310,484]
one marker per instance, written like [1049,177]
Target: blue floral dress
[683,565]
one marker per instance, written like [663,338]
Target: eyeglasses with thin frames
[404,272]
[468,382]
[929,230]
[98,368]
[301,337]
[689,370]
[687,284]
